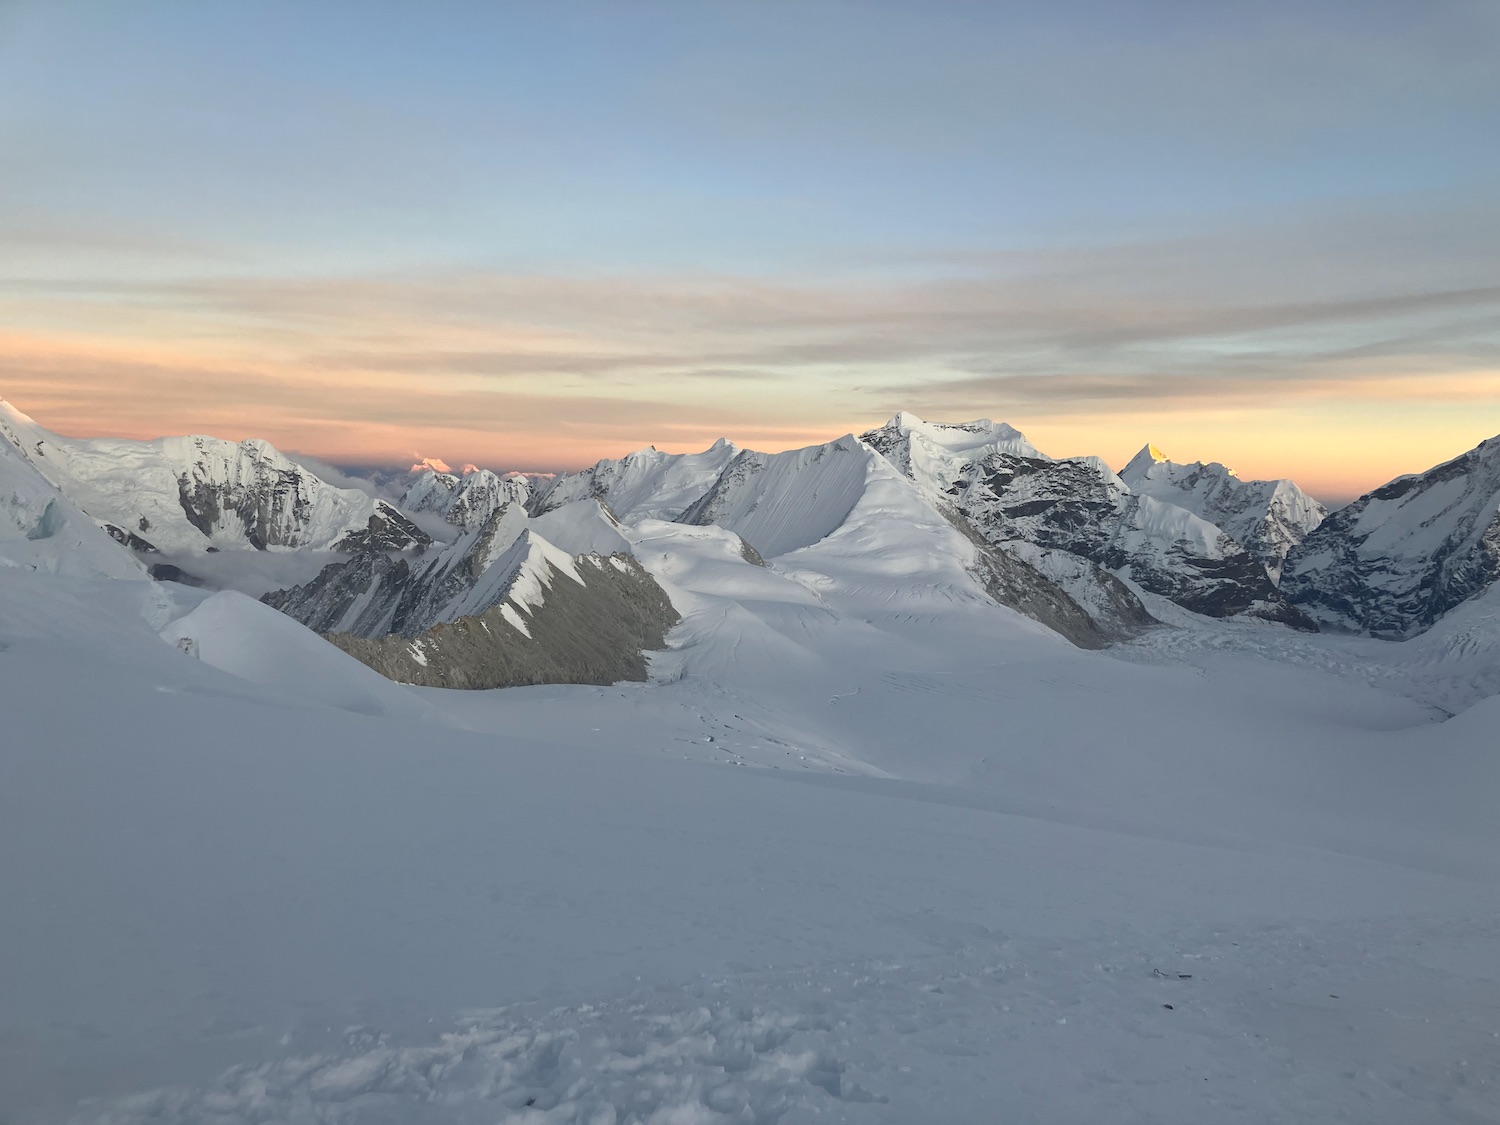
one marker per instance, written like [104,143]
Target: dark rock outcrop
[592,632]
[1397,559]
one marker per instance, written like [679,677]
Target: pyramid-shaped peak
[1143,462]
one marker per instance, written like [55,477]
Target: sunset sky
[532,235]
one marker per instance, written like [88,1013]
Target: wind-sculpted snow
[1397,559]
[648,484]
[194,493]
[778,502]
[585,527]
[1183,1030]
[1267,517]
[40,529]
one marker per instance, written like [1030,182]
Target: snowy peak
[955,440]
[1398,558]
[1268,517]
[194,493]
[464,501]
[1141,463]
[934,455]
[647,484]
[1078,505]
[779,502]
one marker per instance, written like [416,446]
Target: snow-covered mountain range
[202,493]
[1067,542]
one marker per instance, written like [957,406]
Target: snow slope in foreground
[993,875]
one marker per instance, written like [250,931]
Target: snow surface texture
[1268,517]
[195,493]
[1398,558]
[989,874]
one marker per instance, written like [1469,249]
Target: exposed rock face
[1116,611]
[464,501]
[385,530]
[499,606]
[376,593]
[930,452]
[1080,506]
[1022,501]
[251,488]
[1267,517]
[129,539]
[1397,559]
[592,630]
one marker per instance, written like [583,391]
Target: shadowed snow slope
[648,484]
[778,502]
[255,643]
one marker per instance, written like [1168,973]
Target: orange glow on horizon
[1337,440]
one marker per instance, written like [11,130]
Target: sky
[532,235]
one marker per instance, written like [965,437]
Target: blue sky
[631,222]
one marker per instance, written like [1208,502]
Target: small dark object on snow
[1169,1007]
[531,1101]
[1184,976]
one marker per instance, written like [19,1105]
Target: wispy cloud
[551,371]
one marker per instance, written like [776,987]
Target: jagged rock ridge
[1013,494]
[499,606]
[466,500]
[1397,559]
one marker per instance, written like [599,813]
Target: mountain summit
[1268,518]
